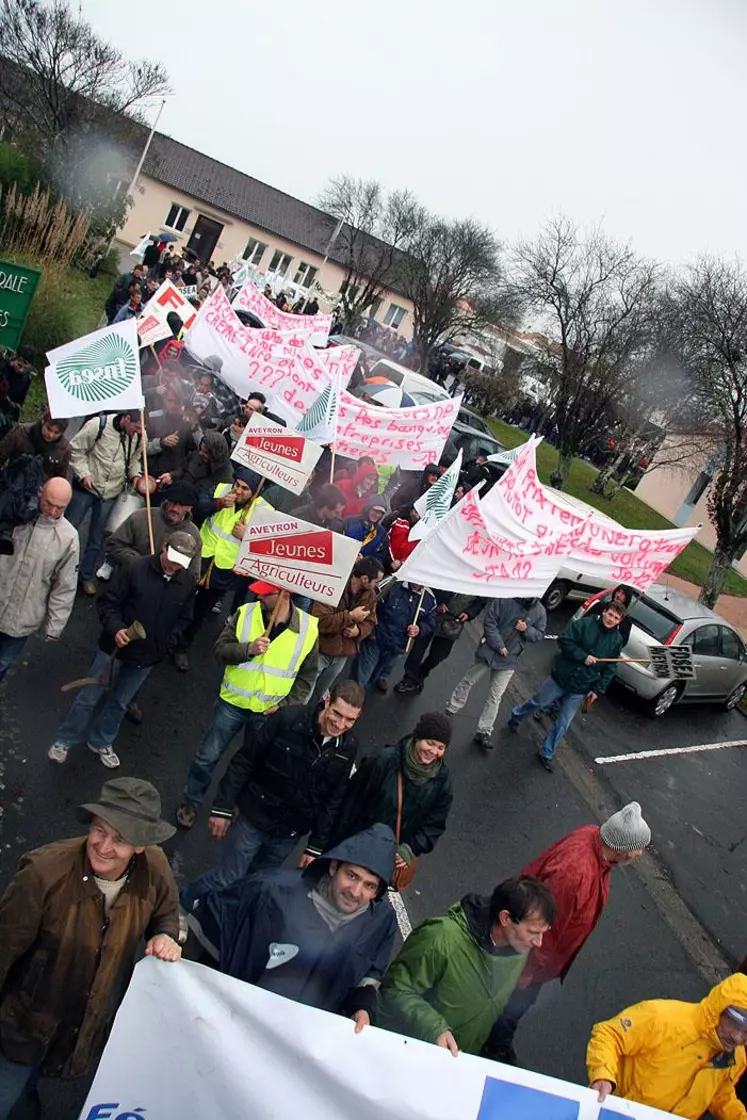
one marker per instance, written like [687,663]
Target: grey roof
[228,189]
[681,604]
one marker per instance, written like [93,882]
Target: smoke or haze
[507,110]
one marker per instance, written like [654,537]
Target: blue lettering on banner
[97,1112]
[504,1100]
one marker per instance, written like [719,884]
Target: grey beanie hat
[626,830]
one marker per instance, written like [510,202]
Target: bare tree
[595,302]
[62,74]
[72,100]
[708,321]
[451,271]
[375,226]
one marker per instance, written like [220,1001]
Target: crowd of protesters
[295,678]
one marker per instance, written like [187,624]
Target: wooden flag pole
[155,355]
[408,647]
[274,614]
[144,453]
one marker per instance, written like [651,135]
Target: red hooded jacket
[349,486]
[579,879]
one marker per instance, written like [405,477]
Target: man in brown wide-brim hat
[71,922]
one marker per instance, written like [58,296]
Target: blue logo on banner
[504,1100]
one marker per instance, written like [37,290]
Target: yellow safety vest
[267,679]
[216,534]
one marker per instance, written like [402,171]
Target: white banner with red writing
[340,360]
[296,555]
[190,1042]
[409,438]
[598,547]
[461,554]
[249,298]
[278,453]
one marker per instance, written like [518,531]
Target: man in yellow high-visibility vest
[223,519]
[270,651]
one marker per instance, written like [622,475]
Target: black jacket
[372,796]
[269,920]
[140,591]
[284,781]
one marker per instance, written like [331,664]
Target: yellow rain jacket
[666,1054]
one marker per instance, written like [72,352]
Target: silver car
[663,616]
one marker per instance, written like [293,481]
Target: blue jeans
[14,1080]
[10,651]
[225,723]
[374,662]
[546,695]
[244,848]
[105,719]
[81,502]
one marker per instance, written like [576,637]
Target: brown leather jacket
[333,620]
[64,967]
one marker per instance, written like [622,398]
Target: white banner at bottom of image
[189,1042]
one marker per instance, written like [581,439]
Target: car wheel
[661,704]
[735,696]
[556,594]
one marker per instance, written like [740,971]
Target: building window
[177,217]
[698,489]
[395,316]
[280,262]
[305,275]
[254,251]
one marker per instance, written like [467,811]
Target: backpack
[20,482]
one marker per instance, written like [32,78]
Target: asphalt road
[659,934]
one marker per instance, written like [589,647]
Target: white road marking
[400,910]
[669,750]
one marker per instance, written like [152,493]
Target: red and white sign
[152,329]
[249,298]
[296,555]
[168,298]
[278,453]
[462,555]
[405,437]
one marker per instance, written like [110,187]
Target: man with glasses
[583,669]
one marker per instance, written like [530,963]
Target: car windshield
[653,619]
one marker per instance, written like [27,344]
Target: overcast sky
[628,112]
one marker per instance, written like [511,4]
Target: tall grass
[36,225]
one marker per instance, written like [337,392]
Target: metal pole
[139,168]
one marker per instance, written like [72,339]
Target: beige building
[223,214]
[681,494]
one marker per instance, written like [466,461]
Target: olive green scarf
[416,771]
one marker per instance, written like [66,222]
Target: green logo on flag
[98,372]
[321,414]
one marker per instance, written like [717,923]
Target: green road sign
[17,287]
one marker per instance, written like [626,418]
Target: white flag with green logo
[436,502]
[97,373]
[320,422]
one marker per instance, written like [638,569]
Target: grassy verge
[691,564]
[67,304]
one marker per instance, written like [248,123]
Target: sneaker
[186,814]
[217,607]
[407,686]
[105,571]
[181,661]
[107,756]
[57,753]
[88,587]
[546,763]
[133,712]
[513,725]
[381,684]
[482,738]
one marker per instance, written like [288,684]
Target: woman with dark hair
[372,793]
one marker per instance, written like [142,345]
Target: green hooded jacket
[450,977]
[587,635]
